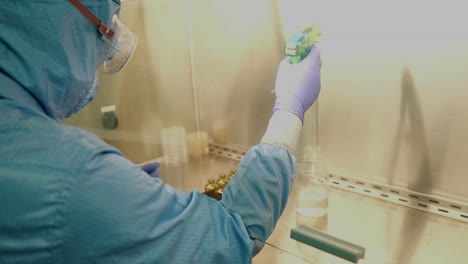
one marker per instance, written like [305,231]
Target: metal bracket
[408,198]
[415,200]
[227,151]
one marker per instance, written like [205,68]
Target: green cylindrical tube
[329,244]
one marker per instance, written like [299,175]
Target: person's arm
[260,190]
[117,213]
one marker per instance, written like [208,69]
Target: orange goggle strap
[101,27]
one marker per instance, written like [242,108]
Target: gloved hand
[298,85]
[151,169]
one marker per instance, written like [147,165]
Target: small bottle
[229,178]
[211,186]
[312,187]
[222,181]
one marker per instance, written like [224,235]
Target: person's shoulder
[77,144]
[35,136]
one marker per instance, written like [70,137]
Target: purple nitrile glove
[151,169]
[298,85]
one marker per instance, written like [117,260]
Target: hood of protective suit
[48,53]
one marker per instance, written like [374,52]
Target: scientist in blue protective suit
[68,197]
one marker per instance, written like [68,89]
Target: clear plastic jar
[312,187]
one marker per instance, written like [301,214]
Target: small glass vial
[312,187]
[211,186]
[229,178]
[222,181]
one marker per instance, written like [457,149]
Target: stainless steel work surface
[390,233]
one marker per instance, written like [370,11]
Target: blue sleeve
[259,191]
[117,213]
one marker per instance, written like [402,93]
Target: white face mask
[89,96]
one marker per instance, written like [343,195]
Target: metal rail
[428,203]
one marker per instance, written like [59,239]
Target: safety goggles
[120,42]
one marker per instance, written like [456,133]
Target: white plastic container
[174,146]
[197,144]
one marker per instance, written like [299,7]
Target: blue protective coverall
[68,197]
